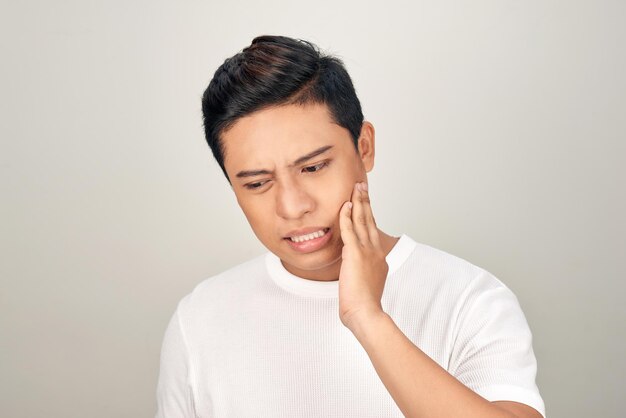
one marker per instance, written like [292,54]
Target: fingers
[356,219]
[363,221]
[359,214]
[370,222]
[346,226]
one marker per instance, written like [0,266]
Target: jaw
[326,272]
[322,265]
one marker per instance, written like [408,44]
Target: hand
[363,267]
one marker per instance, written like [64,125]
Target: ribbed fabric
[257,341]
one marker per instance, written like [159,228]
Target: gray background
[500,133]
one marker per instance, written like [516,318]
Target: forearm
[418,385]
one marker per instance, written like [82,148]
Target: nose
[293,201]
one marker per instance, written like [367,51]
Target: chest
[285,360]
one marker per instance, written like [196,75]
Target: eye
[316,167]
[256,185]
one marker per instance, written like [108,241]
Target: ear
[366,145]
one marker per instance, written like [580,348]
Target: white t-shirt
[257,341]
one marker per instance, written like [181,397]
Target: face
[291,168]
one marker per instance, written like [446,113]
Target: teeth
[308,237]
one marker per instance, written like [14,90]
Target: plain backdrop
[500,139]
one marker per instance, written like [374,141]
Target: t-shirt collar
[323,289]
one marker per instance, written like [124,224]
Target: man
[339,318]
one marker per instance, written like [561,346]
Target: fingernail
[349,205]
[364,186]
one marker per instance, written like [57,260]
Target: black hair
[273,71]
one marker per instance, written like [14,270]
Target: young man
[339,318]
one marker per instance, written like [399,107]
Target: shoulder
[237,282]
[439,269]
[434,280]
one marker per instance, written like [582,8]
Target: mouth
[308,240]
[308,236]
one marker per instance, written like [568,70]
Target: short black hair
[273,71]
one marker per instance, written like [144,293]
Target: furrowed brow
[303,159]
[312,154]
[252,173]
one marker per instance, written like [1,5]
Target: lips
[308,239]
[306,233]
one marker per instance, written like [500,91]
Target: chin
[314,261]
[320,263]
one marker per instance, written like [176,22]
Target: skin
[330,190]
[291,197]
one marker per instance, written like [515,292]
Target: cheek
[255,212]
[337,193]
[351,176]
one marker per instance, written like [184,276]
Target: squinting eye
[256,185]
[316,167]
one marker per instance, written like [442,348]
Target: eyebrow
[303,159]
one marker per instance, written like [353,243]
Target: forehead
[278,135]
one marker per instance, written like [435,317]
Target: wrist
[360,321]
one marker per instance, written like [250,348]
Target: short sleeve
[174,389]
[492,353]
